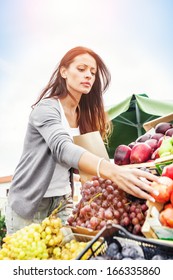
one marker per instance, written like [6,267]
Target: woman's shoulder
[49,102]
[46,107]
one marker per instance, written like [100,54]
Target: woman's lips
[86,84]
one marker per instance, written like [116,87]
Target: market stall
[106,223]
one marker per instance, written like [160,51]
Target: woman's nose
[88,74]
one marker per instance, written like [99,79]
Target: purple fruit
[131,144]
[169,132]
[162,127]
[143,137]
[157,136]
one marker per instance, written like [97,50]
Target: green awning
[146,104]
[129,116]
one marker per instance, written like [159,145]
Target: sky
[133,37]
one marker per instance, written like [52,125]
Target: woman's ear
[63,72]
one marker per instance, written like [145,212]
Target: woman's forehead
[86,59]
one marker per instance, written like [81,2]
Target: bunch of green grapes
[25,244]
[51,233]
[72,249]
[35,241]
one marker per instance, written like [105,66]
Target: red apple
[122,155]
[141,152]
[168,171]
[155,154]
[164,187]
[162,127]
[152,143]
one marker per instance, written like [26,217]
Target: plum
[157,136]
[113,250]
[143,137]
[169,132]
[162,127]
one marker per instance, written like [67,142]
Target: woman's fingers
[139,190]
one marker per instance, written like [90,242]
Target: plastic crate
[117,234]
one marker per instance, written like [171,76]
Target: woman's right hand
[134,181]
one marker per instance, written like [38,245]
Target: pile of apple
[165,189]
[147,147]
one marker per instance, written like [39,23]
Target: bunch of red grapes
[103,202]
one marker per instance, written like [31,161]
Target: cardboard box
[149,125]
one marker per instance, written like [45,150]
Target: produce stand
[147,248]
[85,240]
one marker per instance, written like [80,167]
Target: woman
[71,104]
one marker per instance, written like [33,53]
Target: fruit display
[44,241]
[147,147]
[104,203]
[164,187]
[127,251]
[119,244]
[165,196]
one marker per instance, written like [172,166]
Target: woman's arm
[132,180]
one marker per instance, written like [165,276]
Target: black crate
[116,233]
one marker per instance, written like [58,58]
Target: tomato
[164,187]
[168,171]
[166,217]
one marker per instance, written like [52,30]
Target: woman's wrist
[108,170]
[98,166]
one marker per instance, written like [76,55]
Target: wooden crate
[152,166]
[152,227]
[150,125]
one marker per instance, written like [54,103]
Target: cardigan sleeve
[46,119]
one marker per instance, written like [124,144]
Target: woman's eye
[81,69]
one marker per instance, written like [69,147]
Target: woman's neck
[70,105]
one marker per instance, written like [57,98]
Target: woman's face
[80,75]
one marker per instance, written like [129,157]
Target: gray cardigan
[46,142]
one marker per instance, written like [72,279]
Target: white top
[54,188]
